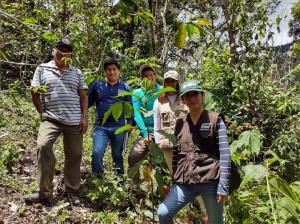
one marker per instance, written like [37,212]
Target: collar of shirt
[108,84]
[51,65]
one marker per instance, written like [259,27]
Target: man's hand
[83,125]
[130,130]
[37,102]
[148,139]
[165,144]
[84,110]
[221,198]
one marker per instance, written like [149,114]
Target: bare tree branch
[165,32]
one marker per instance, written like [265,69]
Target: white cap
[172,74]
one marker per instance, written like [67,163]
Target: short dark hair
[145,68]
[111,61]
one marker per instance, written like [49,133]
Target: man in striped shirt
[63,110]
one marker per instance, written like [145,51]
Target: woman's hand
[221,198]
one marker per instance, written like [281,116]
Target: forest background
[226,44]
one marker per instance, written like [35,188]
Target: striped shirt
[225,159]
[61,101]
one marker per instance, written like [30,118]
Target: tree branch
[165,32]
[16,19]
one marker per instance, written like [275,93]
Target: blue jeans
[182,194]
[102,135]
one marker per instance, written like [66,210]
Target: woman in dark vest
[201,160]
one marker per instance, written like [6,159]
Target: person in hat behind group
[167,108]
[63,110]
[201,159]
[144,123]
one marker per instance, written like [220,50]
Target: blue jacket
[101,93]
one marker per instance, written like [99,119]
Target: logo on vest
[205,126]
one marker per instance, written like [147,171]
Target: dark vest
[196,157]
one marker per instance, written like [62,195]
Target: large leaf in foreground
[180,36]
[123,128]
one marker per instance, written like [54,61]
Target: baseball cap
[190,85]
[145,68]
[65,42]
[172,74]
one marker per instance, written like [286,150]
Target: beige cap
[172,74]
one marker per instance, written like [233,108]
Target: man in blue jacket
[102,92]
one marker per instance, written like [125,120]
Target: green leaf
[49,36]
[291,206]
[128,19]
[180,36]
[170,137]
[154,182]
[156,154]
[136,20]
[148,13]
[202,22]
[244,138]
[296,187]
[197,31]
[30,21]
[128,110]
[163,90]
[283,187]
[106,115]
[124,93]
[146,86]
[254,141]
[234,147]
[117,109]
[256,172]
[122,129]
[43,89]
[141,60]
[89,79]
[39,89]
[95,19]
[272,160]
[159,178]
[190,30]
[149,214]
[208,101]
[3,56]
[248,139]
[134,170]
[35,89]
